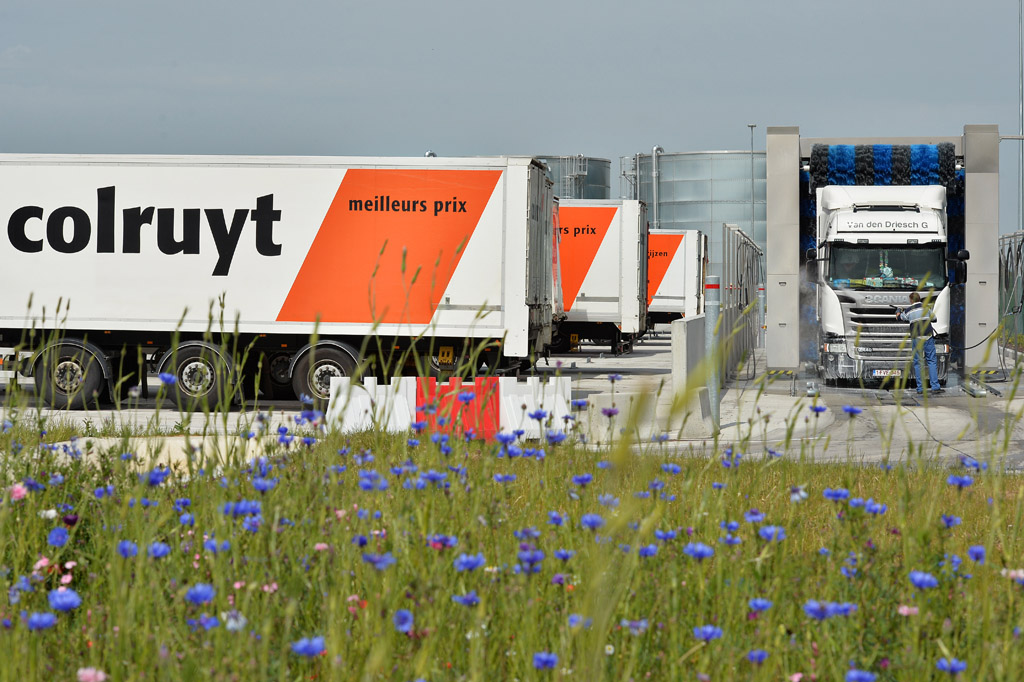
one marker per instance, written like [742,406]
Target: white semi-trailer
[603,262]
[193,260]
[676,263]
[876,245]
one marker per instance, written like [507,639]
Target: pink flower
[271,588]
[66,578]
[796,677]
[70,564]
[18,492]
[321,547]
[1013,573]
[239,585]
[42,563]
[905,610]
[91,675]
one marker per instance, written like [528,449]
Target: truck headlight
[836,348]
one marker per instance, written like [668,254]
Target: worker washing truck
[875,246]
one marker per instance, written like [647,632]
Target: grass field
[423,556]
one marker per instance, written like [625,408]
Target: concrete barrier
[689,379]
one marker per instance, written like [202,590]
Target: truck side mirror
[963,254]
[811,266]
[960,272]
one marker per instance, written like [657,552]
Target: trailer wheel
[275,368]
[314,371]
[68,377]
[200,375]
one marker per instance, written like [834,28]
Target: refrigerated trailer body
[603,259]
[676,262]
[158,252]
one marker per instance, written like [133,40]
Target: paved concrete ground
[757,413]
[760,412]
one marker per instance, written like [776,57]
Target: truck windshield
[873,266]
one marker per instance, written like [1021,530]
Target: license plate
[887,372]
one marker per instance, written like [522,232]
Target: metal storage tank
[700,191]
[580,177]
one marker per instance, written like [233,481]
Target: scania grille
[874,333]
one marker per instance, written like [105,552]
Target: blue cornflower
[608,500]
[579,404]
[58,537]
[441,541]
[698,550]
[252,523]
[211,545]
[856,502]
[648,551]
[949,521]
[665,535]
[582,480]
[465,397]
[41,621]
[848,571]
[538,415]
[200,593]
[591,521]
[556,437]
[555,518]
[544,660]
[614,377]
[103,491]
[468,599]
[379,561]
[359,540]
[922,580]
[56,479]
[504,478]
[976,553]
[757,656]
[155,477]
[717,486]
[671,468]
[731,539]
[609,411]
[952,666]
[636,627]
[168,379]
[854,675]
[403,620]
[187,519]
[604,464]
[309,646]
[872,507]
[776,533]
[970,463]
[707,633]
[851,410]
[754,516]
[64,599]
[817,610]
[127,549]
[564,554]
[817,409]
[797,494]
[158,550]
[528,533]
[264,484]
[960,482]
[468,562]
[836,494]
[505,438]
[729,526]
[759,604]
[204,621]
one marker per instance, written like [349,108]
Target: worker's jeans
[926,347]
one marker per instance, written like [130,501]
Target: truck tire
[68,377]
[276,370]
[314,370]
[200,376]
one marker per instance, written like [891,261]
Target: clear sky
[475,77]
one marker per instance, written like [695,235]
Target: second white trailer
[603,259]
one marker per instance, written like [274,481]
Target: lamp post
[752,126]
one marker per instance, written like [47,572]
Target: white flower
[48,514]
[609,649]
[234,621]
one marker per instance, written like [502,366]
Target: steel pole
[712,351]
[761,322]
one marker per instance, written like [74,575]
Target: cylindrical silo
[702,190]
[580,177]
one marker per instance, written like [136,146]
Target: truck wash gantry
[788,160]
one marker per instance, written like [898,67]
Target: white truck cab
[876,245]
